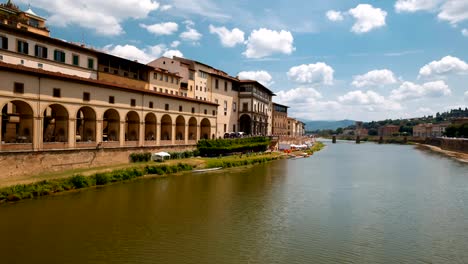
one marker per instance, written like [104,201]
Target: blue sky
[362,60]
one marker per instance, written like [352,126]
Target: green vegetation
[208,147]
[236,161]
[315,148]
[457,131]
[146,156]
[46,187]
[140,157]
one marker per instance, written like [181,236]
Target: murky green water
[348,204]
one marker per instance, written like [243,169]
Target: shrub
[140,157]
[208,147]
[102,178]
[79,181]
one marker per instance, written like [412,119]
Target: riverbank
[72,180]
[460,156]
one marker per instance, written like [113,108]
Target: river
[349,203]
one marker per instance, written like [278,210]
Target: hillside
[327,124]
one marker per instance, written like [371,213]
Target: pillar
[71,132]
[158,133]
[198,132]
[37,133]
[173,136]
[186,133]
[122,133]
[98,131]
[334,139]
[141,137]
[358,139]
[380,140]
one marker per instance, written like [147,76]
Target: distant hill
[323,125]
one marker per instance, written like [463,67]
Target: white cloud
[228,38]
[144,55]
[370,100]
[297,96]
[334,16]
[367,18]
[175,44]
[204,8]
[416,5]
[171,53]
[464,32]
[262,77]
[318,73]
[447,65]
[409,91]
[104,17]
[167,28]
[454,11]
[265,42]
[374,78]
[165,7]
[190,34]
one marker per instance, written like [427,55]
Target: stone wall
[449,144]
[15,164]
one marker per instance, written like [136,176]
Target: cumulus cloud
[318,73]
[265,42]
[262,77]
[228,38]
[416,5]
[167,28]
[410,91]
[171,53]
[447,65]
[296,96]
[367,18]
[334,15]
[165,7]
[103,16]
[371,100]
[374,78]
[454,11]
[190,34]
[175,44]
[144,55]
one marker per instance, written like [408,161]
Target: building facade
[280,120]
[388,130]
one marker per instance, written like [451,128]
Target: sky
[327,60]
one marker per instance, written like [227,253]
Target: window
[234,107]
[206,112]
[166,107]
[166,91]
[166,78]
[40,65]
[214,112]
[233,128]
[3,42]
[216,84]
[180,108]
[111,99]
[18,88]
[245,107]
[203,74]
[225,128]
[172,92]
[75,60]
[177,81]
[225,105]
[86,97]
[90,63]
[193,110]
[132,102]
[191,87]
[160,77]
[225,86]
[23,47]
[151,105]
[172,79]
[40,51]
[155,75]
[59,56]
[191,75]
[196,87]
[56,92]
[160,90]
[1,57]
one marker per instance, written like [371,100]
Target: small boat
[206,170]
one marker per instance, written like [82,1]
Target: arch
[166,127]
[192,129]
[17,122]
[85,125]
[132,126]
[245,124]
[111,125]
[205,128]
[55,124]
[180,128]
[150,127]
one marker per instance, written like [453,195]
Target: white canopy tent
[160,156]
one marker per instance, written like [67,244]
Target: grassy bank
[386,140]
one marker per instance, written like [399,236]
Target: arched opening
[150,127]
[205,128]
[55,128]
[132,126]
[166,128]
[17,122]
[245,124]
[111,126]
[180,128]
[192,129]
[85,125]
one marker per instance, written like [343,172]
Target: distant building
[422,130]
[388,130]
[438,130]
[460,121]
[280,119]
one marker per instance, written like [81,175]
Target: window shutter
[5,42]
[44,52]
[36,51]
[55,55]
[26,48]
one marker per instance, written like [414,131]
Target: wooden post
[358,139]
[334,139]
[380,140]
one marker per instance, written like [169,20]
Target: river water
[348,203]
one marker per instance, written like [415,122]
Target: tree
[373,132]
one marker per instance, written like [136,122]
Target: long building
[56,94]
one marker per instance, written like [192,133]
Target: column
[71,132]
[37,133]
[1,131]
[98,131]
[122,134]
[198,132]
[158,134]
[186,133]
[141,138]
[173,136]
